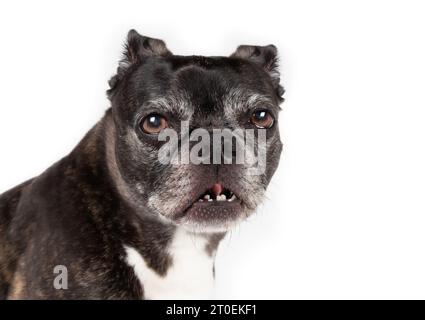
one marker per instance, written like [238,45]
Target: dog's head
[155,91]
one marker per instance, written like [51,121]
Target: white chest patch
[189,277]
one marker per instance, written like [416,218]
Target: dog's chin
[212,217]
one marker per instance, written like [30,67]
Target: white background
[345,216]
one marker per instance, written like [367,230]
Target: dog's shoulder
[9,201]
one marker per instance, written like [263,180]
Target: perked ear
[137,48]
[267,58]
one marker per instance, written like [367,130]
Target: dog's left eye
[262,119]
[153,123]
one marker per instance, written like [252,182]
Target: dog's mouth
[216,209]
[218,193]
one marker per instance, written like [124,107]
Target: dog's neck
[169,261]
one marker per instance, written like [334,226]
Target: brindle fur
[83,210]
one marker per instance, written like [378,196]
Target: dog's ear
[136,49]
[139,47]
[267,58]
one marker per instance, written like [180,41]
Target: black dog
[111,221]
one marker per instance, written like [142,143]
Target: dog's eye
[154,123]
[262,119]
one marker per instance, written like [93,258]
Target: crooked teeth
[221,198]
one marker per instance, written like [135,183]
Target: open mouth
[217,193]
[218,208]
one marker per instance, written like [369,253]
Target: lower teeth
[221,197]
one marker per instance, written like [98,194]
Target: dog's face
[155,90]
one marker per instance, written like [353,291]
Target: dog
[112,221]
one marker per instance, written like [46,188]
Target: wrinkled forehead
[230,104]
[196,90]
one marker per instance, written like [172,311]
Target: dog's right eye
[153,123]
